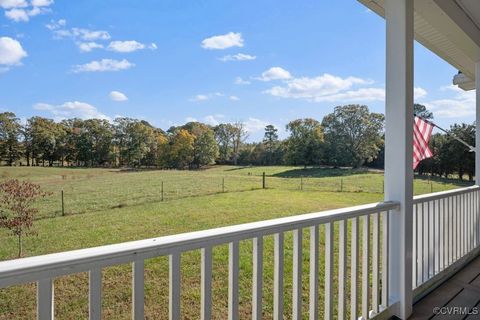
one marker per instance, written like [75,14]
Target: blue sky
[169,61]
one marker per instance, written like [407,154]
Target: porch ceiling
[450,29]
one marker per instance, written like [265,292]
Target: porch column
[399,149]
[477,123]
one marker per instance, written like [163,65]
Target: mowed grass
[105,206]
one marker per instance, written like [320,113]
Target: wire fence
[100,193]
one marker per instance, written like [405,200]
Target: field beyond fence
[77,191]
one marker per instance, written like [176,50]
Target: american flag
[422,130]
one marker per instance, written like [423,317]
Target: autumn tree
[205,148]
[180,151]
[17,210]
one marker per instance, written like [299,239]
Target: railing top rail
[53,265]
[443,194]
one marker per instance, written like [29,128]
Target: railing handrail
[443,194]
[31,269]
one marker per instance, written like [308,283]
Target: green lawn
[105,206]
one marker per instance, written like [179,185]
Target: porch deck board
[462,290]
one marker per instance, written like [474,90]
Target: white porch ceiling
[449,28]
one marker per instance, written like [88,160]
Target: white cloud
[54,25]
[118,96]
[275,73]
[190,119]
[237,57]
[81,33]
[125,46]
[89,46]
[11,52]
[19,11]
[42,3]
[362,94]
[153,46]
[9,4]
[253,125]
[234,98]
[200,97]
[419,93]
[206,96]
[240,81]
[71,109]
[224,41]
[326,87]
[103,65]
[462,104]
[213,120]
[17,15]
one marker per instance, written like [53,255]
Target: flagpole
[471,149]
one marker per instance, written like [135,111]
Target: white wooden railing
[366,227]
[446,234]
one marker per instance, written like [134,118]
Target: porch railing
[356,236]
[446,233]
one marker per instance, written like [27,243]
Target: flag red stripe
[422,131]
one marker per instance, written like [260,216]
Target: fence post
[63,205]
[341,185]
[223,184]
[431,187]
[301,183]
[263,180]
[162,190]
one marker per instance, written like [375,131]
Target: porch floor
[462,290]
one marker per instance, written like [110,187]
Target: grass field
[105,206]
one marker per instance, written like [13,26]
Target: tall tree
[422,111]
[239,136]
[224,135]
[352,135]
[10,130]
[270,142]
[304,146]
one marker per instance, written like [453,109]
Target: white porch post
[399,149]
[477,123]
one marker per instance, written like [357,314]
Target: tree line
[349,136]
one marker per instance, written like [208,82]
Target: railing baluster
[138,286]
[425,242]
[431,242]
[257,286]
[455,228]
[45,300]
[95,294]
[233,273]
[342,267]
[449,232]
[174,286]
[419,244]
[297,275]
[366,266]
[354,270]
[385,258]
[206,284]
[278,277]
[375,262]
[445,233]
[329,239]
[433,237]
[313,307]
[414,247]
[437,236]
